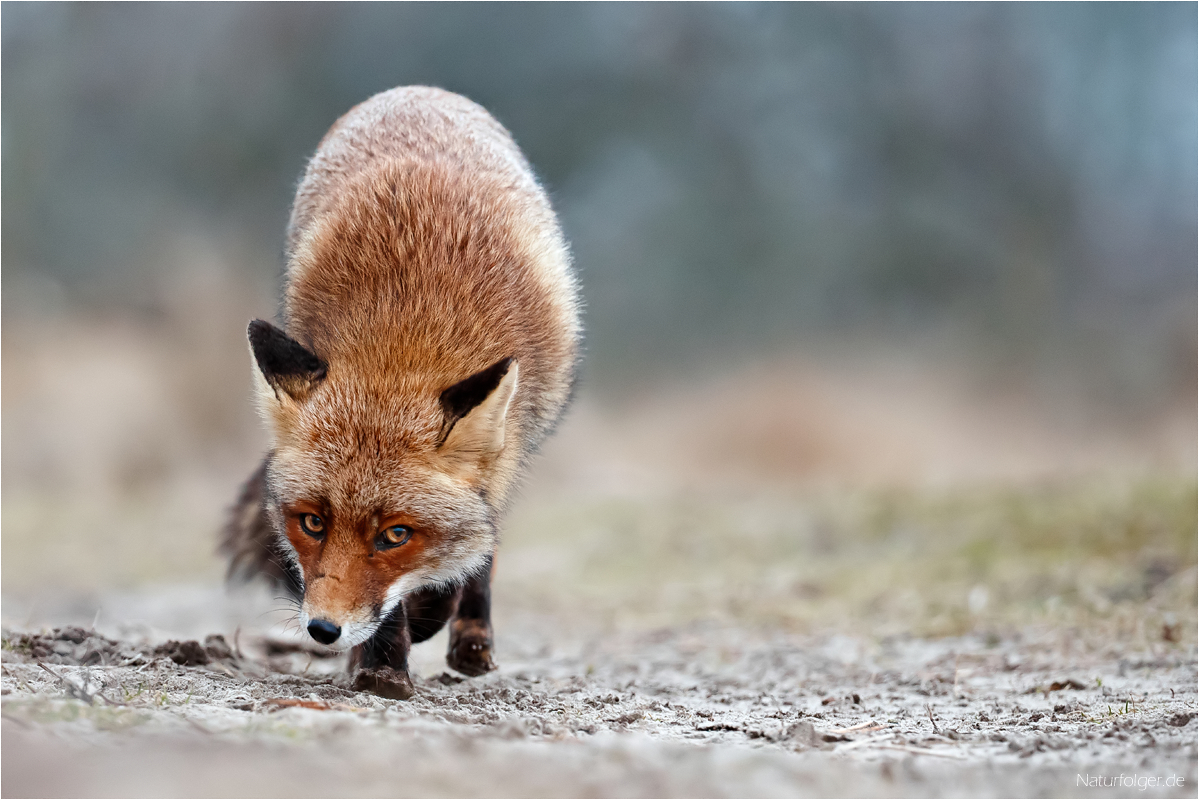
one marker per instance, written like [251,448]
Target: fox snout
[324,631]
[333,619]
[339,631]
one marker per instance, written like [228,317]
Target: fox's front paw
[385,682]
[470,648]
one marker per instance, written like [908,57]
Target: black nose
[323,631]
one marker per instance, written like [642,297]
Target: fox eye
[312,525]
[394,536]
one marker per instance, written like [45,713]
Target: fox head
[378,483]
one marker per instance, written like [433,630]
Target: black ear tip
[259,330]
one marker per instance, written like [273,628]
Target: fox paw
[385,682]
[470,649]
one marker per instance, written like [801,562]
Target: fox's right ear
[287,366]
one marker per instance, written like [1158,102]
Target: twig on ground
[929,708]
[74,690]
[80,692]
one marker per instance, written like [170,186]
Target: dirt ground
[873,585]
[694,710]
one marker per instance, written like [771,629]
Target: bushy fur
[421,252]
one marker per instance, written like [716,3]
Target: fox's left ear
[476,412]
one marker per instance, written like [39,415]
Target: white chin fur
[355,633]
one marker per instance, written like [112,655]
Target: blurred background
[911,283]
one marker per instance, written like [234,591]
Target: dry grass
[1111,555]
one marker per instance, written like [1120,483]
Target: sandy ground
[689,710]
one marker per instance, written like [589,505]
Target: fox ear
[476,410]
[287,365]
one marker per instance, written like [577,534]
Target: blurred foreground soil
[865,576]
[693,710]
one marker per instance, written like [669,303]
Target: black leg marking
[428,610]
[382,660]
[470,630]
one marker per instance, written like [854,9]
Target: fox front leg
[382,660]
[470,630]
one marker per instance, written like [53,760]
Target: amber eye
[392,537]
[312,525]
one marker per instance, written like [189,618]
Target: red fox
[429,340]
